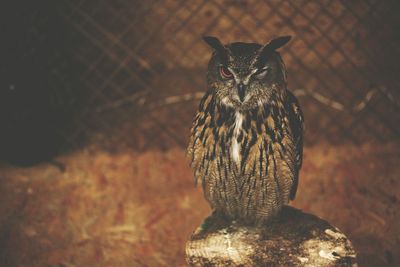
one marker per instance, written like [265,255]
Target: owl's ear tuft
[278,42]
[269,48]
[214,43]
[219,48]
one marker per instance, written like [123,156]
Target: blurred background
[96,102]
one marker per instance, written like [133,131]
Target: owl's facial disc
[238,82]
[243,75]
[241,81]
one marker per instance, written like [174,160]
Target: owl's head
[246,75]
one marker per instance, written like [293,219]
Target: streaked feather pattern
[247,137]
[270,138]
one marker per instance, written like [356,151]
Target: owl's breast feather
[236,146]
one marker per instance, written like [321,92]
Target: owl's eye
[225,73]
[261,73]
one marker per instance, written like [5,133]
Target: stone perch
[293,238]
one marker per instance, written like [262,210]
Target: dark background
[96,102]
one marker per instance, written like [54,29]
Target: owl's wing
[296,121]
[196,150]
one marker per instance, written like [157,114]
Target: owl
[246,140]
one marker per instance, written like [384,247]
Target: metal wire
[151,67]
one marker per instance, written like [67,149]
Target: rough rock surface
[293,239]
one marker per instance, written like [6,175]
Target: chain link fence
[136,69]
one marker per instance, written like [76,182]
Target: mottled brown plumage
[246,139]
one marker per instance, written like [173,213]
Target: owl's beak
[241,91]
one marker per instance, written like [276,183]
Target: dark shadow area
[39,90]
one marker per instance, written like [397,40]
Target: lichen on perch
[293,238]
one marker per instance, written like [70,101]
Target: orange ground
[129,209]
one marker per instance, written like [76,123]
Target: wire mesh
[132,55]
